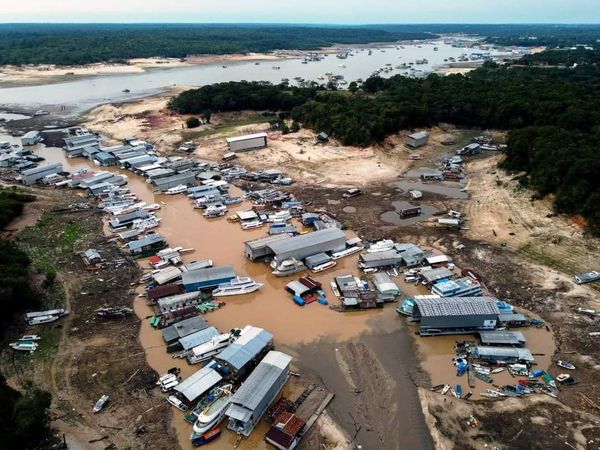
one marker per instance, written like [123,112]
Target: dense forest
[564,102]
[23,417]
[70,44]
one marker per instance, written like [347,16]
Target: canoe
[458,391]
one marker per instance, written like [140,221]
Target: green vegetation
[23,417]
[553,114]
[66,44]
[12,203]
[192,122]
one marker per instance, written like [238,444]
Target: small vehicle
[587,277]
[100,404]
[352,192]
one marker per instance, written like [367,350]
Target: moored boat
[287,267]
[346,252]
[323,267]
[179,189]
[381,246]
[213,414]
[100,404]
[237,286]
[215,211]
[206,437]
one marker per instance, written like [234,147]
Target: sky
[303,11]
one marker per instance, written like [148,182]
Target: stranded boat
[100,404]
[237,286]
[215,211]
[30,337]
[565,364]
[381,246]
[24,346]
[287,267]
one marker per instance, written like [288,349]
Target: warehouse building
[195,386]
[385,286]
[247,142]
[504,354]
[238,360]
[463,287]
[259,391]
[299,247]
[500,337]
[175,302]
[184,328]
[150,244]
[165,183]
[455,315]
[259,248]
[195,280]
[389,258]
[418,139]
[32,176]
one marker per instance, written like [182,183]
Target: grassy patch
[226,128]
[72,233]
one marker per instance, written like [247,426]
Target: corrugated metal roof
[511,317]
[198,338]
[456,306]
[140,243]
[380,256]
[167,274]
[210,274]
[502,337]
[419,135]
[246,137]
[197,384]
[305,240]
[252,341]
[261,380]
[265,241]
[184,328]
[432,275]
[165,302]
[384,283]
[522,354]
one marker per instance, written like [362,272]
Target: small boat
[237,286]
[346,252]
[215,211]
[483,376]
[468,396]
[100,404]
[334,288]
[212,415]
[179,189]
[251,224]
[287,267]
[498,370]
[437,387]
[565,364]
[177,403]
[127,91]
[323,267]
[30,337]
[151,207]
[381,246]
[213,347]
[43,319]
[206,437]
[41,112]
[445,389]
[458,391]
[24,346]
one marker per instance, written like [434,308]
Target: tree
[295,127]
[353,87]
[206,115]
[192,122]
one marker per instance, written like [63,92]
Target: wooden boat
[437,387]
[206,437]
[458,391]
[565,364]
[445,389]
[334,288]
[100,404]
[468,396]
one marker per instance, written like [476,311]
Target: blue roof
[238,355]
[197,338]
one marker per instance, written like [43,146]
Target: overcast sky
[303,11]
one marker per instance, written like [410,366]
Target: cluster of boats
[26,343]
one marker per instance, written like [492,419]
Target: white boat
[381,246]
[180,189]
[445,389]
[323,267]
[151,207]
[177,403]
[346,252]
[334,288]
[565,364]
[498,370]
[216,345]
[145,224]
[24,346]
[30,337]
[212,415]
[237,286]
[287,267]
[279,216]
[41,112]
[251,224]
[215,211]
[100,404]
[42,319]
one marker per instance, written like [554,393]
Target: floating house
[195,386]
[184,328]
[167,290]
[455,315]
[259,248]
[504,354]
[126,220]
[417,140]
[241,357]
[432,276]
[258,392]
[104,159]
[195,280]
[165,183]
[247,143]
[286,431]
[175,302]
[502,337]
[31,138]
[32,176]
[299,247]
[150,244]
[384,284]
[389,258]
[462,287]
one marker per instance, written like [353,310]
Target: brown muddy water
[309,333]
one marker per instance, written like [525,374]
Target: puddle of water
[7,117]
[394,217]
[435,188]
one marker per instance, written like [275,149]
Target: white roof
[437,259]
[246,137]
[247,215]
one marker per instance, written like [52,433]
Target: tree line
[73,44]
[522,98]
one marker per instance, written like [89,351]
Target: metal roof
[502,337]
[247,215]
[184,328]
[432,275]
[384,283]
[380,256]
[297,288]
[456,306]
[56,167]
[31,134]
[265,241]
[165,302]
[198,338]
[206,275]
[246,137]
[419,135]
[166,275]
[522,354]
[306,240]
[259,383]
[511,318]
[251,342]
[197,384]
[141,243]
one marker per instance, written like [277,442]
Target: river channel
[84,93]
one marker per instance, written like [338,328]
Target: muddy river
[85,93]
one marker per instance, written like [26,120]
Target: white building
[247,142]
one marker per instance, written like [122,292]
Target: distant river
[85,93]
